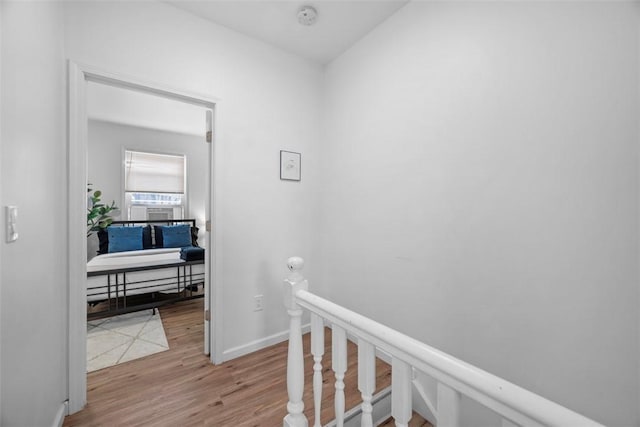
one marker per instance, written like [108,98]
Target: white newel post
[295,358]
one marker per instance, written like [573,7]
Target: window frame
[126,200]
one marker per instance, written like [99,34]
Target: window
[154,185]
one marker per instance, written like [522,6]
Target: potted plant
[98,217]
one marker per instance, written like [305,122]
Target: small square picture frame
[290,165]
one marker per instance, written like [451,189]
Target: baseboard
[381,403]
[62,412]
[256,345]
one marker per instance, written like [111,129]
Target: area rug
[123,338]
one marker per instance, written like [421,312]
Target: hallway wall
[34,269]
[480,191]
[269,101]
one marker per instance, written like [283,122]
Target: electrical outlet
[257,303]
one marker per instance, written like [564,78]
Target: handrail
[514,403]
[509,400]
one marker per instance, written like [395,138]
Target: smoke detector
[307,15]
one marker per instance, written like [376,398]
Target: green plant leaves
[98,213]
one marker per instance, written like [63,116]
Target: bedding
[132,261]
[173,236]
[191,253]
[124,239]
[136,272]
[179,235]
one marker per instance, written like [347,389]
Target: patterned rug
[119,339]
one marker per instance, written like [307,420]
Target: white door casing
[79,76]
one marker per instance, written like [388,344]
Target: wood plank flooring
[179,387]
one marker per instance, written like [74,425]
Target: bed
[122,280]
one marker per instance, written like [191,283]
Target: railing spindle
[339,366]
[317,350]
[401,392]
[366,379]
[295,357]
[448,406]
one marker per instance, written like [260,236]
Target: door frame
[79,75]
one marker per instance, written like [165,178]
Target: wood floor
[179,387]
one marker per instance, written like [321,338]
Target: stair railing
[455,378]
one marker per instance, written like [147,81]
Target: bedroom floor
[179,387]
[123,338]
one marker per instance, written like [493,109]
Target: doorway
[80,77]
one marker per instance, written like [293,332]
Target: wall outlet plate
[11,218]
[258,303]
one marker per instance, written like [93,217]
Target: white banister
[514,404]
[425,398]
[295,357]
[339,366]
[401,374]
[448,406]
[317,350]
[366,379]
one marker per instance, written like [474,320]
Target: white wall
[269,100]
[33,275]
[480,191]
[107,142]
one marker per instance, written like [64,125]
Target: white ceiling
[340,22]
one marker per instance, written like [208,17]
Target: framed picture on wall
[290,165]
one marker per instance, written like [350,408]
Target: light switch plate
[11,219]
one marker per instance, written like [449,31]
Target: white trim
[260,344]
[79,75]
[77,178]
[208,330]
[62,412]
[215,258]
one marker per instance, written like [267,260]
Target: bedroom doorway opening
[148,163]
[145,181]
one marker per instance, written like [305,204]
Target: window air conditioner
[146,213]
[159,214]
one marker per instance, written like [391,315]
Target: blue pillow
[176,236]
[123,239]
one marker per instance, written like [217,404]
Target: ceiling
[340,22]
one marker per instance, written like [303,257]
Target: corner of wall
[1,202]
[638,178]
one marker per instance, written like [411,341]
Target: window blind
[153,173]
